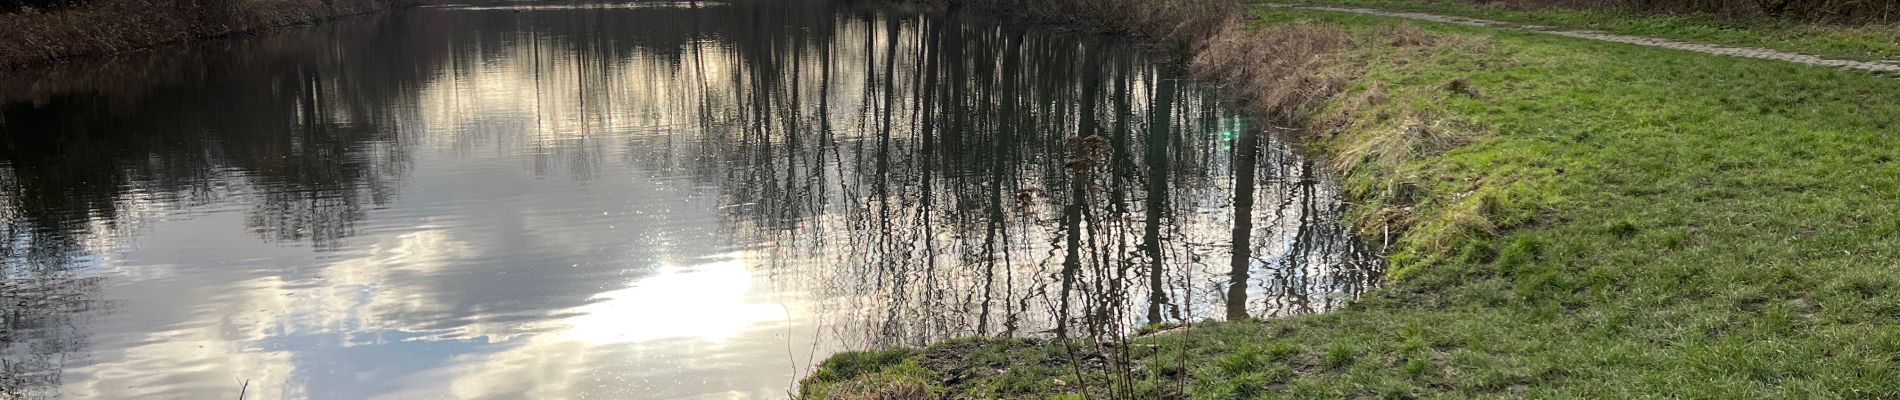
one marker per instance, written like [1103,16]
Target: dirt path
[1883,67]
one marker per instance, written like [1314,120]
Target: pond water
[652,200]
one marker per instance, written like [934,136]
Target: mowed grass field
[1581,220]
[1867,41]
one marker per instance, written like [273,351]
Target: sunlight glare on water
[624,200]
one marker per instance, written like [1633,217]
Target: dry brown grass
[1178,20]
[1285,75]
[108,26]
[1404,34]
[1384,149]
[879,389]
[1279,71]
[1415,137]
[1471,215]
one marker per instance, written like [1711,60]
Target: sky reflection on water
[674,200]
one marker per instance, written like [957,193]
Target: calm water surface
[648,200]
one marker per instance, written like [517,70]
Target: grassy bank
[109,26]
[1834,11]
[1873,38]
[1580,219]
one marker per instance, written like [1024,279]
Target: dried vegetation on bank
[110,26]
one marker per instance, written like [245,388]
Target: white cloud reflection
[664,336]
[708,302]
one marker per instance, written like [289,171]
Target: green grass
[1616,222]
[883,373]
[1866,42]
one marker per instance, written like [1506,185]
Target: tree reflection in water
[935,178]
[915,177]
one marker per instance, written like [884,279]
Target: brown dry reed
[1175,20]
[1278,72]
[862,389]
[1281,72]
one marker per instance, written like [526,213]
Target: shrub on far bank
[108,26]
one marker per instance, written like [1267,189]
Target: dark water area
[649,200]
